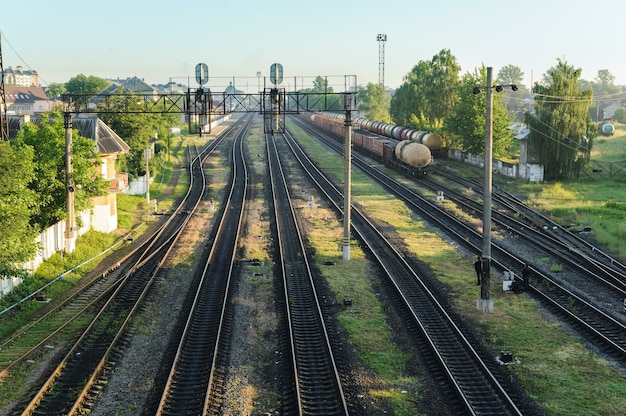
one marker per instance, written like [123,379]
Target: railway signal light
[274,95]
[200,94]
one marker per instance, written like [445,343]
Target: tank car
[413,154]
[405,154]
[607,129]
[430,139]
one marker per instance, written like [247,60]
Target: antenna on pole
[381,38]
[4,118]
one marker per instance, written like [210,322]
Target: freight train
[407,155]
[432,140]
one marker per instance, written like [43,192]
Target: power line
[562,143]
[20,57]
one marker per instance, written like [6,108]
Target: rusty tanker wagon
[399,147]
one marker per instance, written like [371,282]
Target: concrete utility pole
[70,223]
[485,303]
[146,153]
[347,176]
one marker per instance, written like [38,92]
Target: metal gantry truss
[201,105]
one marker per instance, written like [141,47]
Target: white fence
[52,239]
[7,285]
[529,171]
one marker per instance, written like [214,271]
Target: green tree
[87,85]
[465,126]
[604,77]
[561,131]
[408,101]
[17,204]
[136,129]
[321,96]
[620,115]
[513,75]
[605,93]
[428,93]
[55,89]
[47,139]
[374,103]
[442,91]
[510,75]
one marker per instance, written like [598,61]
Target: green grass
[365,320]
[555,368]
[132,215]
[600,205]
[611,148]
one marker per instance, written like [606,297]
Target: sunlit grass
[610,148]
[88,248]
[599,206]
[556,369]
[518,325]
[365,319]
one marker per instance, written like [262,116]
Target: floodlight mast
[381,38]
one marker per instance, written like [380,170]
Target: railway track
[523,222]
[195,381]
[575,306]
[587,292]
[475,384]
[103,309]
[314,386]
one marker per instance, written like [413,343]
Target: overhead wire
[4,38]
[554,130]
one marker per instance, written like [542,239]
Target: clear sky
[158,40]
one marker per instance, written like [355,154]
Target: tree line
[434,96]
[560,110]
[32,170]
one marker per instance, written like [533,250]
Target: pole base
[70,244]
[484,305]
[346,252]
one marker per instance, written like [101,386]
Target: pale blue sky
[158,40]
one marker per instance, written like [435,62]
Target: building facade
[26,100]
[20,77]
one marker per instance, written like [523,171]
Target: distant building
[609,110]
[102,216]
[21,78]
[133,84]
[109,146]
[26,100]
